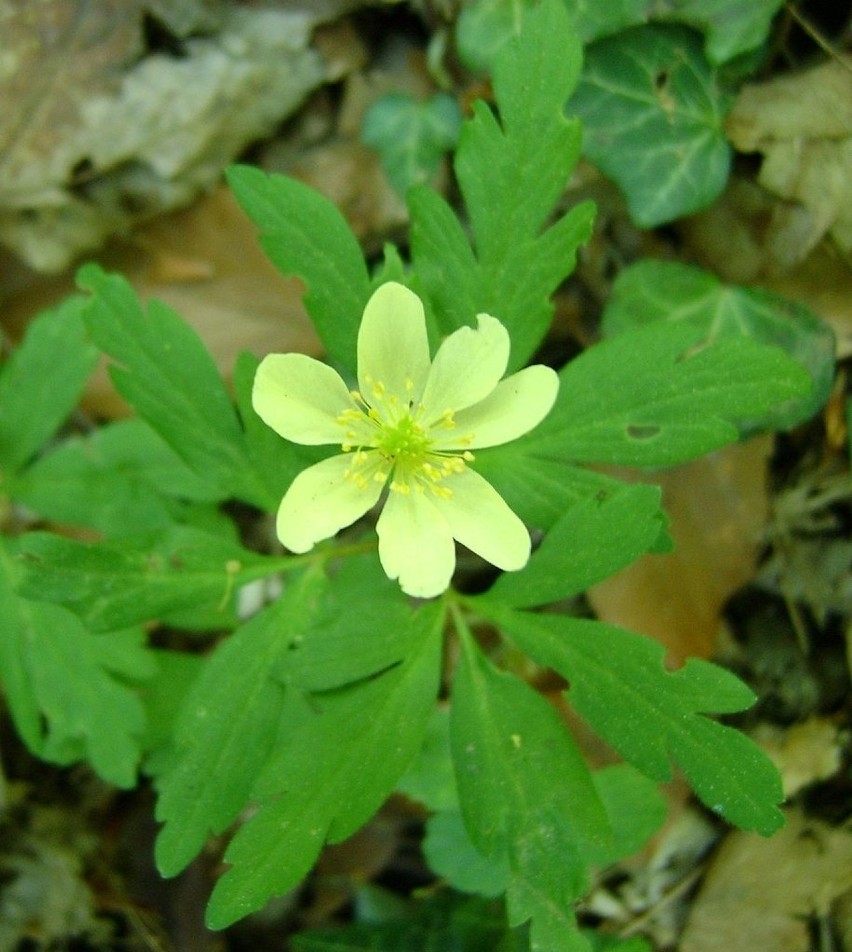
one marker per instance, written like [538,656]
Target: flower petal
[300,398]
[321,501]
[467,367]
[480,519]
[415,544]
[518,403]
[393,349]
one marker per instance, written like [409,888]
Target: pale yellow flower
[411,426]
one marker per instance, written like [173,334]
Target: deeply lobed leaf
[618,682]
[166,374]
[661,395]
[41,382]
[305,235]
[69,691]
[344,752]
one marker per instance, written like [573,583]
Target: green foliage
[484,27]
[731,28]
[526,795]
[511,174]
[120,479]
[111,585]
[667,291]
[40,383]
[621,687]
[164,372]
[653,118]
[69,691]
[592,540]
[443,922]
[305,235]
[336,769]
[318,697]
[662,394]
[411,136]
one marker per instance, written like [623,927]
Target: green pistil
[405,440]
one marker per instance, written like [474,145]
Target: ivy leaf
[344,752]
[120,479]
[653,119]
[660,396]
[165,373]
[595,20]
[526,795]
[68,689]
[41,382]
[511,175]
[411,136]
[115,584]
[620,685]
[673,293]
[484,27]
[305,235]
[731,27]
[596,537]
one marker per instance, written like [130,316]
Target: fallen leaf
[804,753]
[204,262]
[759,893]
[718,507]
[802,125]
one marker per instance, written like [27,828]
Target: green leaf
[445,922]
[230,724]
[636,809]
[41,382]
[620,685]
[164,372]
[595,20]
[342,755]
[511,176]
[484,27]
[595,538]
[536,483]
[361,625]
[653,118]
[659,396]
[430,778]
[115,584]
[526,796]
[731,27]
[451,855]
[411,135]
[305,235]
[601,942]
[67,689]
[227,728]
[666,291]
[163,697]
[120,479]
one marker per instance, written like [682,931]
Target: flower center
[387,441]
[404,440]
